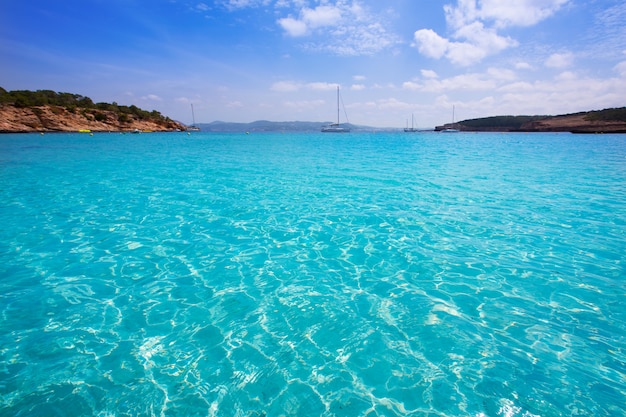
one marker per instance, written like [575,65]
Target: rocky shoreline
[59,119]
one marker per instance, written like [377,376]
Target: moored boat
[451,129]
[336,127]
[193,127]
[412,128]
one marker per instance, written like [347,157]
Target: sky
[282,60]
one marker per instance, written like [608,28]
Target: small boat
[410,129]
[450,129]
[336,127]
[193,127]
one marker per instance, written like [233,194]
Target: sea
[309,274]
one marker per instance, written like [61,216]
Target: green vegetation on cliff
[75,103]
[608,115]
[500,122]
[608,121]
[516,122]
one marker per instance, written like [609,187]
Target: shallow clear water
[313,275]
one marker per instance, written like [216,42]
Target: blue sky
[281,60]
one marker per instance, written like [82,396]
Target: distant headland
[49,111]
[600,121]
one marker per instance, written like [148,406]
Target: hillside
[600,121]
[49,111]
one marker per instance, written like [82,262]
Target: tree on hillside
[71,102]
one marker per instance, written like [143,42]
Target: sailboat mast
[193,116]
[337,104]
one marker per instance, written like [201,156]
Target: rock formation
[59,119]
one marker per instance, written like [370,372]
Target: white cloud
[285,86]
[566,76]
[343,29]
[507,13]
[501,74]
[523,65]
[465,53]
[521,86]
[392,103]
[311,19]
[357,87]
[502,13]
[304,105]
[465,12]
[411,85]
[621,68]
[321,86]
[429,43]
[240,4]
[292,86]
[463,82]
[471,39]
[152,97]
[609,33]
[486,39]
[489,80]
[478,43]
[321,16]
[564,94]
[293,27]
[202,7]
[560,60]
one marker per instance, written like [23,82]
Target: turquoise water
[313,275]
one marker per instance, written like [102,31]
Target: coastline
[52,118]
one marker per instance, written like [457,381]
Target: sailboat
[336,127]
[410,129]
[193,127]
[451,130]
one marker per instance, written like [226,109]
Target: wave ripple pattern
[301,275]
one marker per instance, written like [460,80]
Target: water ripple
[480,275]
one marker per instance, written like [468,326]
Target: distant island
[600,121]
[261,126]
[49,111]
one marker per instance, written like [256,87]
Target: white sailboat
[412,128]
[451,129]
[193,127]
[336,127]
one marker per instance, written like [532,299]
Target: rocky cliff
[59,119]
[575,123]
[51,118]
